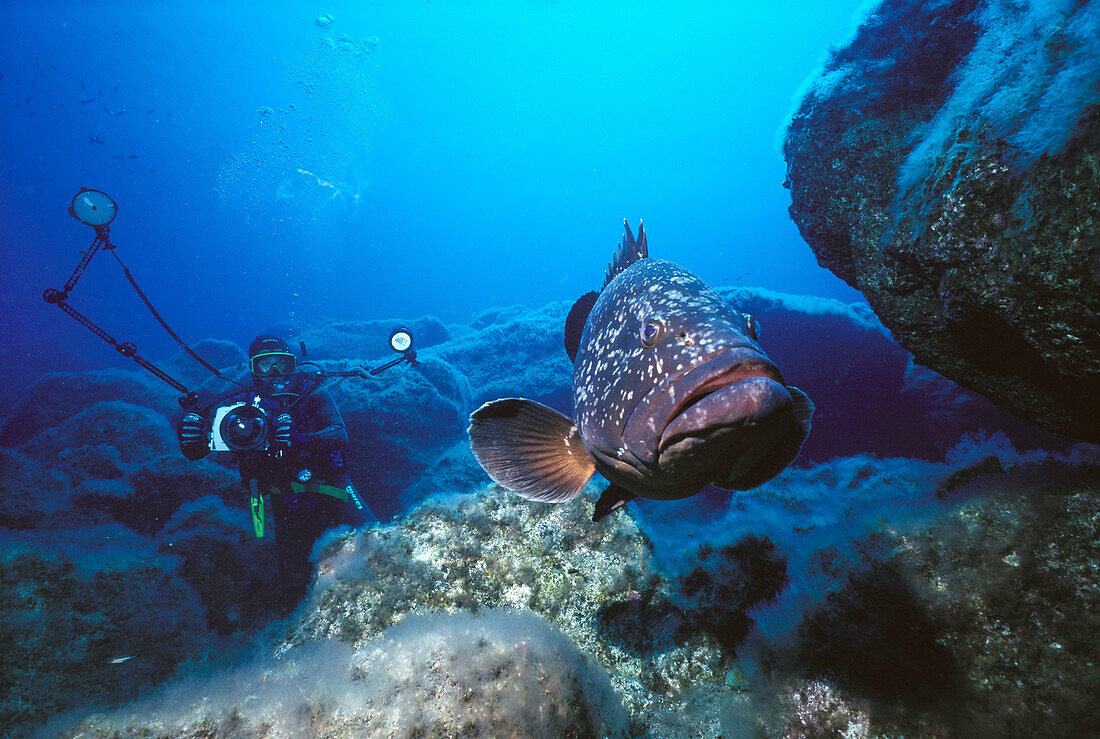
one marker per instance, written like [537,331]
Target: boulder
[138,433]
[224,356]
[233,572]
[55,398]
[99,461]
[365,340]
[27,492]
[498,674]
[515,352]
[943,162]
[869,396]
[398,424]
[89,615]
[164,485]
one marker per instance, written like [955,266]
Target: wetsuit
[309,489]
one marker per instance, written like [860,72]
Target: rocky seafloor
[979,618]
[862,592]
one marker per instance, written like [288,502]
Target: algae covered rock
[165,484]
[869,399]
[140,434]
[90,615]
[366,340]
[27,491]
[497,550]
[516,352]
[944,162]
[58,397]
[398,424]
[225,356]
[499,674]
[982,620]
[233,572]
[1013,585]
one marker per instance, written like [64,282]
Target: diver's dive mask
[273,364]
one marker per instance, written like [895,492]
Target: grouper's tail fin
[631,250]
[530,449]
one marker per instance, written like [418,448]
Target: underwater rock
[729,581]
[1013,584]
[89,616]
[398,425]
[95,502]
[25,489]
[875,637]
[55,398]
[455,469]
[982,620]
[498,674]
[139,433]
[943,162]
[162,486]
[869,396]
[497,550]
[815,709]
[91,461]
[515,352]
[364,340]
[225,356]
[233,572]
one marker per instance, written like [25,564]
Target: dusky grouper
[671,393]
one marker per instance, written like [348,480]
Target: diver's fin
[630,251]
[613,498]
[574,323]
[530,449]
[803,408]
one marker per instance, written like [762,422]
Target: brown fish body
[671,392]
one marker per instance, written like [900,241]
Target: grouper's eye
[651,332]
[752,328]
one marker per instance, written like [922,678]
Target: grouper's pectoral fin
[530,449]
[613,498]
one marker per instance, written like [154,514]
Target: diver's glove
[192,429]
[280,435]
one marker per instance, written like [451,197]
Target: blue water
[404,159]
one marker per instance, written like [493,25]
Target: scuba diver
[299,438]
[283,428]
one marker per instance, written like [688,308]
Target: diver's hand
[192,429]
[280,436]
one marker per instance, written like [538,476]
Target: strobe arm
[126,349]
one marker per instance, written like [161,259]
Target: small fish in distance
[671,393]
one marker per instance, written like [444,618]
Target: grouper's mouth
[734,398]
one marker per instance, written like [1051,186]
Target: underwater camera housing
[240,427]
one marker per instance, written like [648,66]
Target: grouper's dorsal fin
[630,251]
[574,323]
